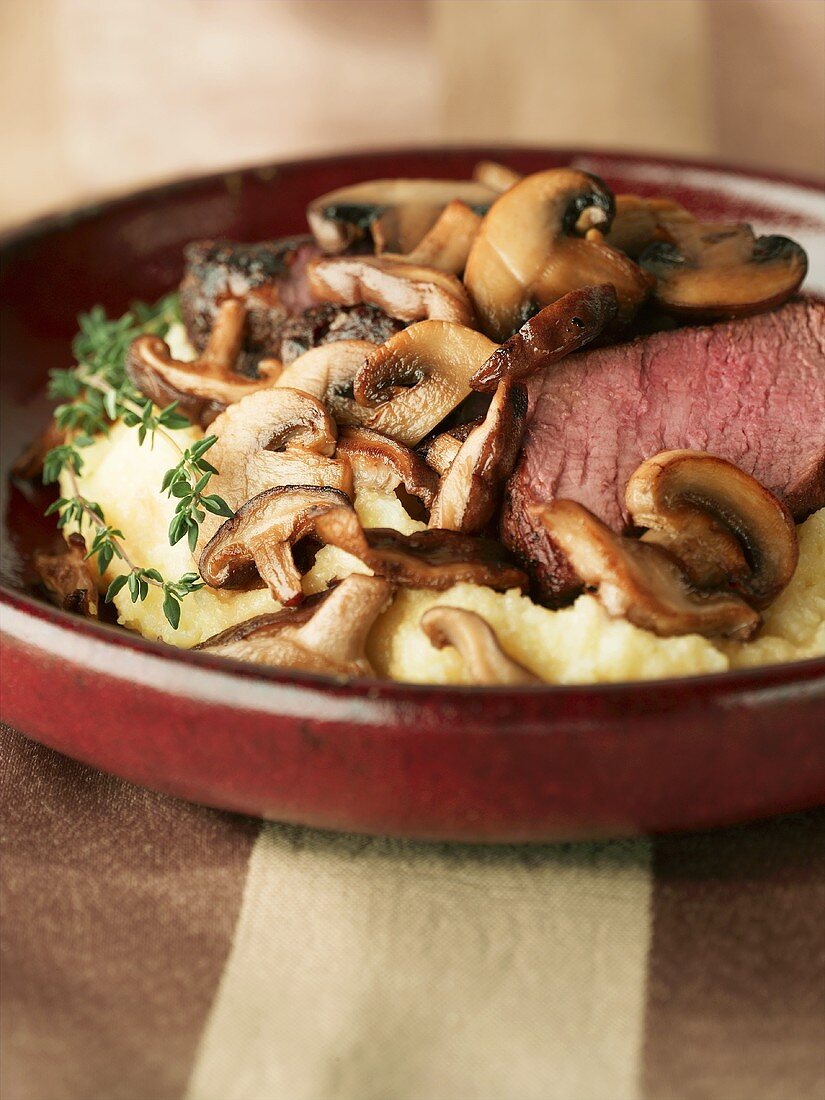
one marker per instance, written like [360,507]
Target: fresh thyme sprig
[98,392]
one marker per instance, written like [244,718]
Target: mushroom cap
[326,635]
[498,177]
[563,327]
[327,374]
[640,221]
[473,637]
[440,451]
[641,582]
[408,385]
[204,387]
[275,437]
[398,212]
[255,545]
[383,464]
[714,272]
[532,249]
[447,244]
[405,290]
[723,526]
[471,488]
[425,559]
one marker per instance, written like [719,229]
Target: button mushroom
[276,437]
[447,245]
[473,637]
[68,578]
[540,240]
[724,527]
[256,544]
[425,559]
[327,634]
[384,464]
[327,373]
[404,290]
[641,582]
[639,221]
[398,212]
[440,451]
[471,488]
[498,177]
[557,330]
[204,387]
[407,386]
[711,272]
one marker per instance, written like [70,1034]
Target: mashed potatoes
[579,644]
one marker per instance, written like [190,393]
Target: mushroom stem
[473,637]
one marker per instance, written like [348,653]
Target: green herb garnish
[93,395]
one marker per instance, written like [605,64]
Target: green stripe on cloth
[118,912]
[736,1000]
[368,969]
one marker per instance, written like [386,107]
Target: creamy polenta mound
[580,644]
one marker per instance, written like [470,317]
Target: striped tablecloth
[155,950]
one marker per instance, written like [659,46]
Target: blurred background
[98,96]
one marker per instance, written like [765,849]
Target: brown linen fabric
[118,911]
[736,976]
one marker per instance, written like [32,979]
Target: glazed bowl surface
[442,763]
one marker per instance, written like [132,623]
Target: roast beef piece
[326,323]
[751,391]
[270,276]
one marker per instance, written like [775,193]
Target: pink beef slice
[751,391]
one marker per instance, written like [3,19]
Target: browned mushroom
[408,385]
[327,634]
[471,489]
[641,582]
[29,465]
[404,290]
[383,464]
[256,544]
[555,331]
[639,221]
[498,177]
[204,387]
[473,637]
[440,450]
[425,559]
[447,245]
[398,212]
[540,240]
[724,527]
[327,373]
[68,577]
[276,437]
[721,271]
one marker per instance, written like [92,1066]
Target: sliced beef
[326,323]
[269,276]
[751,391]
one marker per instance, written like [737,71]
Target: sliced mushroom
[29,464]
[68,577]
[256,544]
[276,437]
[398,212]
[426,559]
[204,387]
[327,634]
[447,245]
[498,177]
[383,464]
[408,385]
[440,451]
[640,582]
[473,637]
[327,373]
[471,489]
[724,527]
[541,240]
[404,290]
[639,221]
[713,272]
[557,330]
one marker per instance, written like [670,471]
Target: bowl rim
[729,682]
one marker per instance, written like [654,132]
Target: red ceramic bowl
[470,764]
